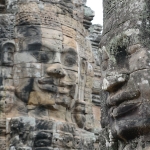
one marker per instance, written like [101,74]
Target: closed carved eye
[32,32]
[29,31]
[44,57]
[69,58]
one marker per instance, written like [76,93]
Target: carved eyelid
[32,28]
[72,51]
[47,48]
[29,30]
[40,54]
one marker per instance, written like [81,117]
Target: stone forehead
[79,2]
[48,14]
[48,8]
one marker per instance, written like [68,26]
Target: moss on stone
[116,44]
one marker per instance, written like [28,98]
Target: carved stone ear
[8,50]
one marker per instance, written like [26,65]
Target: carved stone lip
[67,83]
[54,81]
[47,81]
[125,108]
[122,96]
[51,85]
[48,87]
[54,89]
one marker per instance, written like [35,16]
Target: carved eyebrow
[70,50]
[27,31]
[46,48]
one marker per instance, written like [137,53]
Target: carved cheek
[67,140]
[138,60]
[80,120]
[24,57]
[70,78]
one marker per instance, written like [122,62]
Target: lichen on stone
[117,44]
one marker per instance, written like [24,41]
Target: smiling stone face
[125,70]
[55,59]
[47,62]
[124,98]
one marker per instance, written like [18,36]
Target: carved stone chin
[49,76]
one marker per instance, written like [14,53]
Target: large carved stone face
[125,68]
[47,77]
[52,64]
[47,61]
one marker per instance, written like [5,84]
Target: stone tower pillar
[47,77]
[125,47]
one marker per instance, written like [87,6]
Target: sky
[96,5]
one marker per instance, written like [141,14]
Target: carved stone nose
[112,83]
[55,70]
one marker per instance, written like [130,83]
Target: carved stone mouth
[67,83]
[124,108]
[123,102]
[54,85]
[122,96]
[46,81]
[54,81]
[54,89]
[48,87]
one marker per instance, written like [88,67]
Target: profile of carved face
[126,76]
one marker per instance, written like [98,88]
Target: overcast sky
[96,5]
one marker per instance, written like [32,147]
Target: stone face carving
[47,77]
[125,71]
